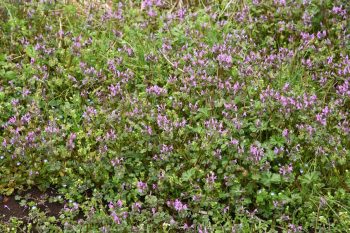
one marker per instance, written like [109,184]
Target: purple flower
[280,2]
[116,161]
[141,186]
[202,230]
[179,206]
[338,10]
[119,203]
[164,123]
[225,60]
[110,135]
[181,13]
[115,217]
[256,153]
[226,209]
[151,13]
[115,89]
[156,90]
[322,117]
[149,130]
[30,137]
[321,35]
[4,143]
[285,170]
[294,229]
[111,206]
[285,133]
[12,120]
[234,142]
[125,214]
[71,139]
[89,113]
[211,178]
[26,118]
[166,149]
[136,207]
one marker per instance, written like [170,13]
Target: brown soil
[9,207]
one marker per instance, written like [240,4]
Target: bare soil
[10,207]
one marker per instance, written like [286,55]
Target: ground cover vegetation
[175,116]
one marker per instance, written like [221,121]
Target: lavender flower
[156,90]
[225,60]
[257,153]
[285,170]
[211,178]
[71,139]
[141,186]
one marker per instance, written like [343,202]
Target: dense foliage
[230,116]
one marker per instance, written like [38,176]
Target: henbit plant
[229,116]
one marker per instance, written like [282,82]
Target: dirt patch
[10,207]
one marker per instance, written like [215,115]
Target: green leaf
[2,95]
[277,140]
[310,178]
[10,75]
[186,176]
[275,178]
[269,178]
[9,191]
[30,51]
